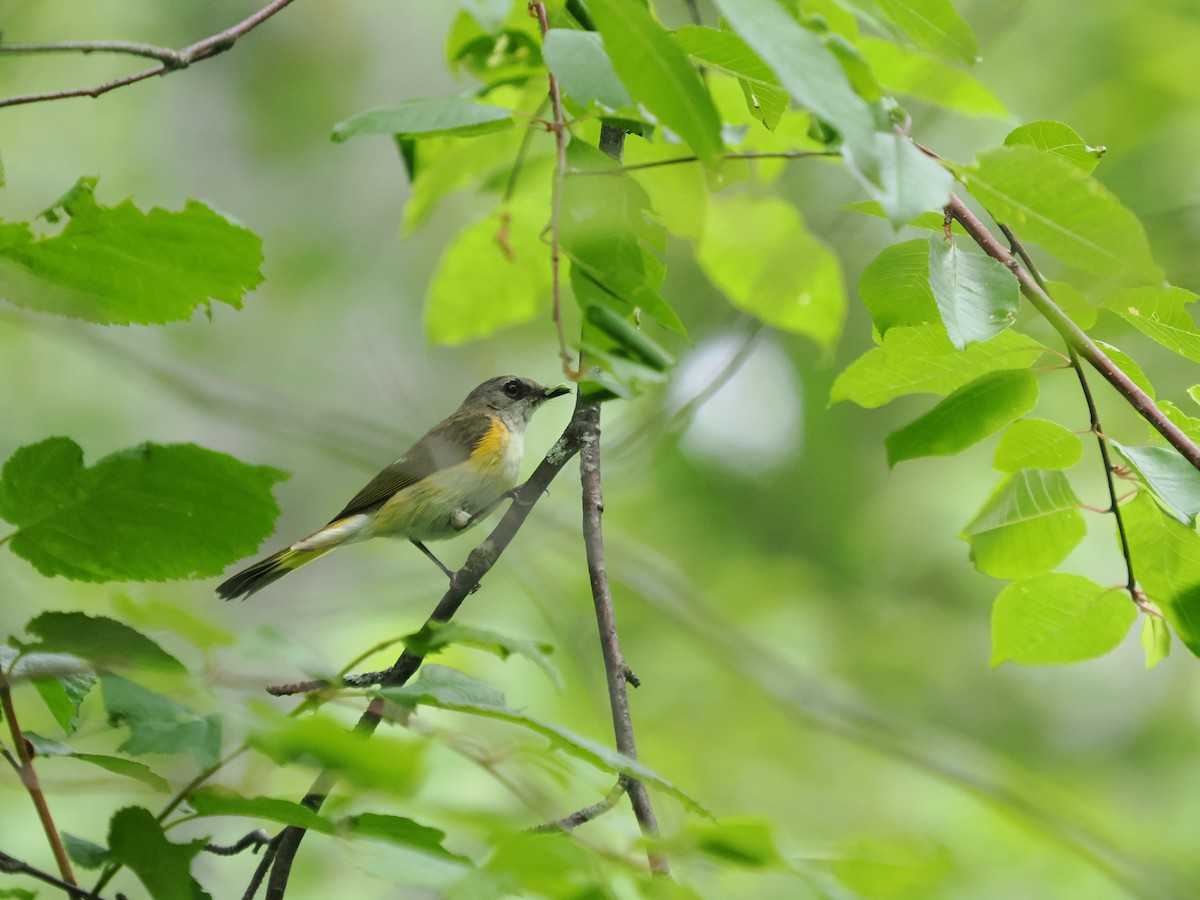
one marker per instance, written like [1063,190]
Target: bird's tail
[266,571]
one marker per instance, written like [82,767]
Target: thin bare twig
[29,779]
[253,841]
[14,866]
[172,60]
[587,814]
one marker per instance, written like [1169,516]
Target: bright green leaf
[1156,640]
[657,73]
[880,868]
[147,514]
[1189,425]
[437,636]
[581,65]
[1036,444]
[921,360]
[929,221]
[398,830]
[1073,302]
[895,287]
[119,266]
[63,696]
[136,840]
[910,182]
[1161,314]
[158,614]
[759,253]
[104,642]
[220,801]
[427,118]
[495,273]
[83,852]
[1048,201]
[976,295]
[158,724]
[1058,618]
[966,417]
[1166,556]
[1126,364]
[934,25]
[1174,480]
[1027,526]
[904,71]
[1055,137]
[745,842]
[728,53]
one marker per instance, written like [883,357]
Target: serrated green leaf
[895,287]
[1166,556]
[1160,314]
[137,840]
[398,830]
[966,417]
[579,62]
[759,253]
[1027,526]
[904,71]
[1036,444]
[495,273]
[221,801]
[83,852]
[976,295]
[934,25]
[1174,480]
[158,724]
[104,642]
[151,513]
[1058,618]
[437,636]
[449,689]
[910,182]
[1156,640]
[657,73]
[427,118]
[1057,138]
[1048,201]
[63,696]
[119,266]
[921,360]
[726,52]
[812,74]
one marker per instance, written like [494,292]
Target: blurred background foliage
[811,639]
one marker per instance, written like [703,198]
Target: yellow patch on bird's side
[490,451]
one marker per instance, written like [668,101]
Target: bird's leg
[437,562]
[461,520]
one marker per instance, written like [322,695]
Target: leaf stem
[757,154]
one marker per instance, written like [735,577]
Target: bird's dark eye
[513,388]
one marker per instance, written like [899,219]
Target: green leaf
[401,831]
[449,689]
[910,182]
[1174,480]
[728,53]
[976,295]
[115,764]
[966,417]
[746,842]
[427,118]
[1051,202]
[158,614]
[437,636]
[1189,425]
[1036,444]
[136,840]
[104,642]
[83,852]
[1057,138]
[147,514]
[63,696]
[1156,640]
[904,71]
[1126,364]
[119,266]
[1058,618]
[578,61]
[812,74]
[657,73]
[759,253]
[221,801]
[1166,556]
[1027,526]
[895,287]
[1160,313]
[495,273]
[893,867]
[921,360]
[158,724]
[929,221]
[934,25]
[17,894]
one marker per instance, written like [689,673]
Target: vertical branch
[30,780]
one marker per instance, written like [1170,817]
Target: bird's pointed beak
[551,393]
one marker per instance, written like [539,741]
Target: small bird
[448,480]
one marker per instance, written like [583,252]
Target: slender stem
[1075,337]
[32,785]
[585,815]
[172,60]
[14,866]
[674,161]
